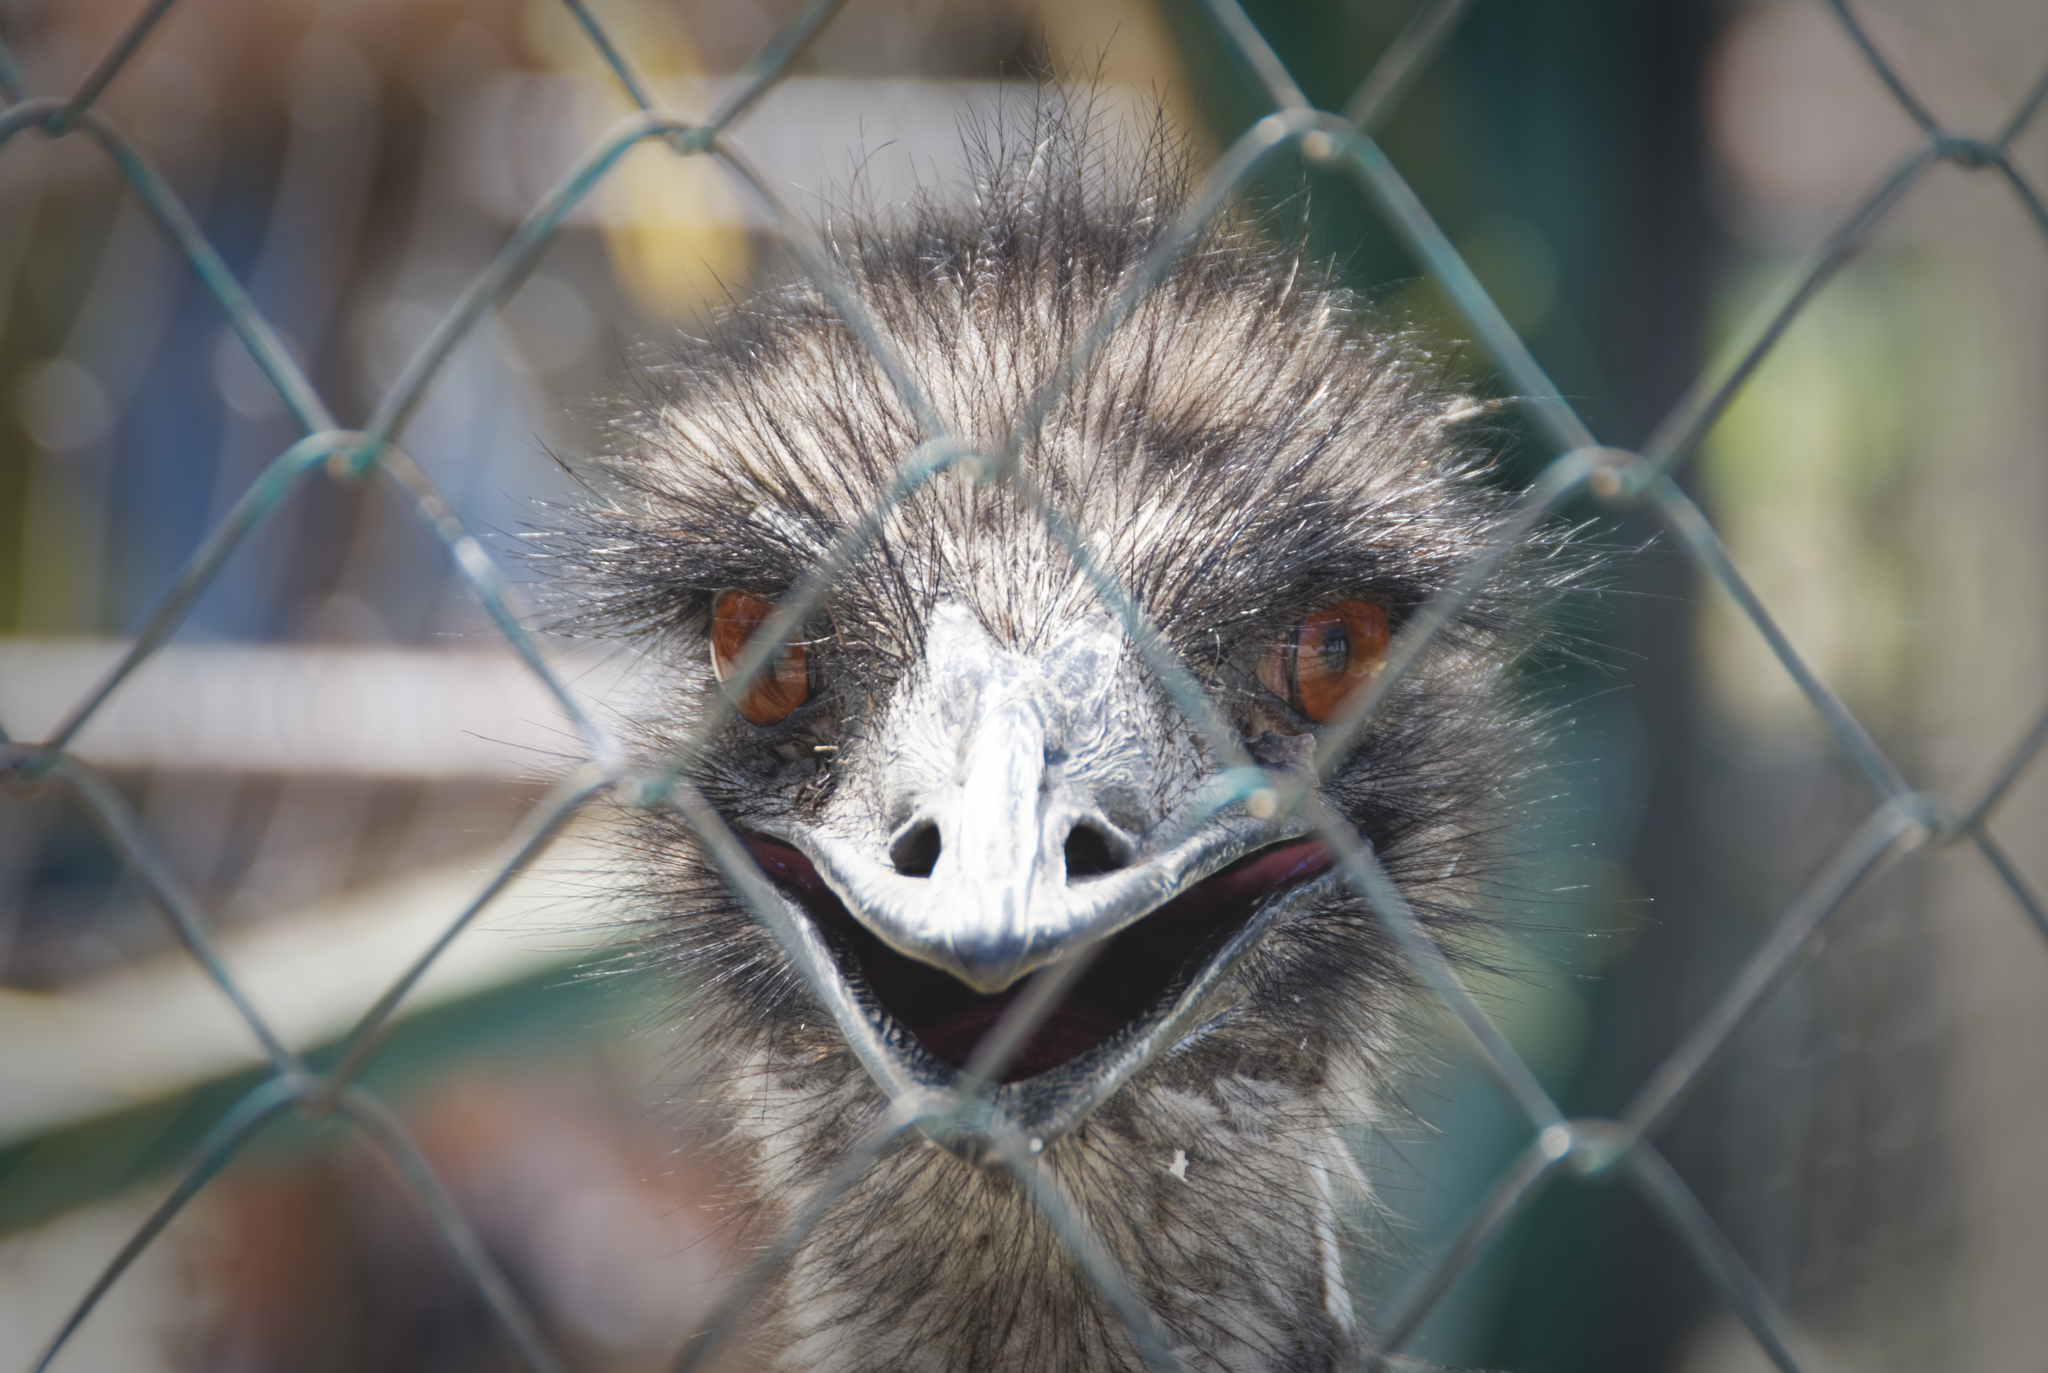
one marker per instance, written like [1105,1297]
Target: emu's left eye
[778,688]
[1327,659]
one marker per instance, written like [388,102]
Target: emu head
[960,770]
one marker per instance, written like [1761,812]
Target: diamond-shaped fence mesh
[1900,818]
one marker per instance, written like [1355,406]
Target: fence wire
[1901,820]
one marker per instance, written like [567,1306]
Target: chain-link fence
[1900,820]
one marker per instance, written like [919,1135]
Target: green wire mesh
[1901,820]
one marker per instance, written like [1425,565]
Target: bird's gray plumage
[1244,451]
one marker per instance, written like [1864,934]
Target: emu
[961,771]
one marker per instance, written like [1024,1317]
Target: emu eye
[1327,659]
[777,689]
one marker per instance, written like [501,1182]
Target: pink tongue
[1264,873]
[1064,1035]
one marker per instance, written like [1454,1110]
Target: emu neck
[1219,1206]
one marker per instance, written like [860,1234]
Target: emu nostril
[1089,853]
[916,851]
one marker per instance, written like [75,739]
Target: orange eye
[777,689]
[1327,658]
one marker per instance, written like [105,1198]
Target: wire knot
[1973,154]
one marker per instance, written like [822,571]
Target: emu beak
[994,847]
[993,764]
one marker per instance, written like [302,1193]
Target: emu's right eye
[777,689]
[1327,659]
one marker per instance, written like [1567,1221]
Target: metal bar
[1086,1246]
[493,590]
[1022,1017]
[535,833]
[1242,158]
[799,603]
[1684,519]
[1361,869]
[1402,62]
[2016,883]
[636,91]
[13,80]
[2024,189]
[263,496]
[1198,1003]
[687,139]
[109,66]
[1211,193]
[1900,824]
[27,114]
[1876,842]
[816,262]
[2024,115]
[1171,675]
[384,1130]
[124,828]
[1705,401]
[1516,1187]
[396,408]
[1258,54]
[256,333]
[796,937]
[2016,763]
[1715,1255]
[1411,221]
[234,1130]
[768,66]
[1561,480]
[699,1347]
[1908,102]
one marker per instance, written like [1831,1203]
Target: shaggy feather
[1245,450]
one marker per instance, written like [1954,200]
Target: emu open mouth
[1127,979]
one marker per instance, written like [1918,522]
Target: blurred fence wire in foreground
[296,456]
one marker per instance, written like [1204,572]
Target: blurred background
[336,745]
